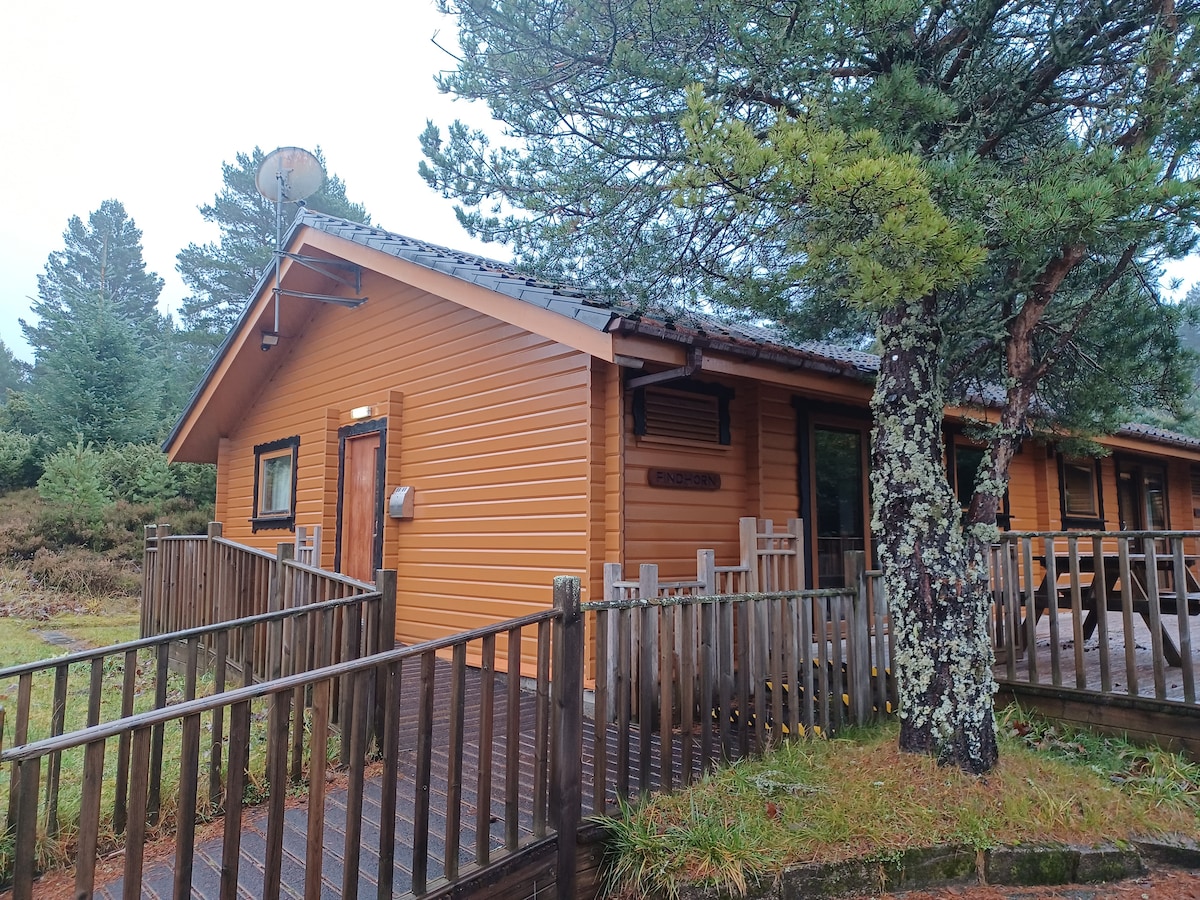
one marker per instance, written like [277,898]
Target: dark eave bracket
[695,359]
[332,269]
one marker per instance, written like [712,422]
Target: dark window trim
[1134,465]
[264,523]
[1072,521]
[721,392]
[1004,514]
[812,414]
[355,430]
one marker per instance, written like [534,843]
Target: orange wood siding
[668,525]
[488,422]
[758,478]
[778,460]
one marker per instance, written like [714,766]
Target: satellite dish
[289,174]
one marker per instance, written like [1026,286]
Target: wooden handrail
[54,662]
[716,598]
[106,730]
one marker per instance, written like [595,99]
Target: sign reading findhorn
[683,478]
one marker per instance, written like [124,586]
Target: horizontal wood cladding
[494,438]
[779,491]
[1029,508]
[667,526]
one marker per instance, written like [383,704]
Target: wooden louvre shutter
[675,414]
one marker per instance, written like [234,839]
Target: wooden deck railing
[481,822]
[1111,613]
[190,581]
[710,678]
[95,687]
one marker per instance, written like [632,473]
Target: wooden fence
[1111,613]
[703,679]
[192,581]
[1102,629]
[95,687]
[688,674]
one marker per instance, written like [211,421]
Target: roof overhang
[240,368]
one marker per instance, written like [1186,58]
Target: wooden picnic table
[1169,601]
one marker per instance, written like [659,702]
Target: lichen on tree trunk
[935,578]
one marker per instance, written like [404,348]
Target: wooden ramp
[158,878]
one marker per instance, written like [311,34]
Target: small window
[275,484]
[1079,483]
[692,412]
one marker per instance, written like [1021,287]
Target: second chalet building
[481,432]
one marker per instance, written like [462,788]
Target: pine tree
[988,187]
[222,274]
[101,258]
[14,373]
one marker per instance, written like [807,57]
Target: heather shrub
[84,574]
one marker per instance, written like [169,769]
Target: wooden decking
[1142,684]
[158,878]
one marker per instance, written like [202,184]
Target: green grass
[858,796]
[19,643]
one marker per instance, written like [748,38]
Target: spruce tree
[102,258]
[97,331]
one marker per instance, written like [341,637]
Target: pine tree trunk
[935,579]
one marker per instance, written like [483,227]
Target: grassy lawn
[19,642]
[858,796]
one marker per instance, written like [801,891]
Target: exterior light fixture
[269,339]
[360,412]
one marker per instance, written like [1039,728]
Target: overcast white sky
[142,100]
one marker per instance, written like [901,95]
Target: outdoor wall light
[269,339]
[360,412]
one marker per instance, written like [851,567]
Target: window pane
[1079,485]
[276,486]
[838,492]
[966,471]
[1155,485]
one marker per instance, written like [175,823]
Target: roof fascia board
[1124,443]
[1148,447]
[822,384]
[234,345]
[524,315]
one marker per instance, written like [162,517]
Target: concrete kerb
[951,866]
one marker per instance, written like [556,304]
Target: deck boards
[157,878]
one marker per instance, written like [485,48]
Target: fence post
[162,615]
[706,572]
[796,528]
[211,594]
[276,651]
[858,646]
[149,581]
[748,538]
[385,583]
[568,731]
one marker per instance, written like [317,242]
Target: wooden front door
[360,518]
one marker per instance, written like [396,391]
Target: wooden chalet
[480,432]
